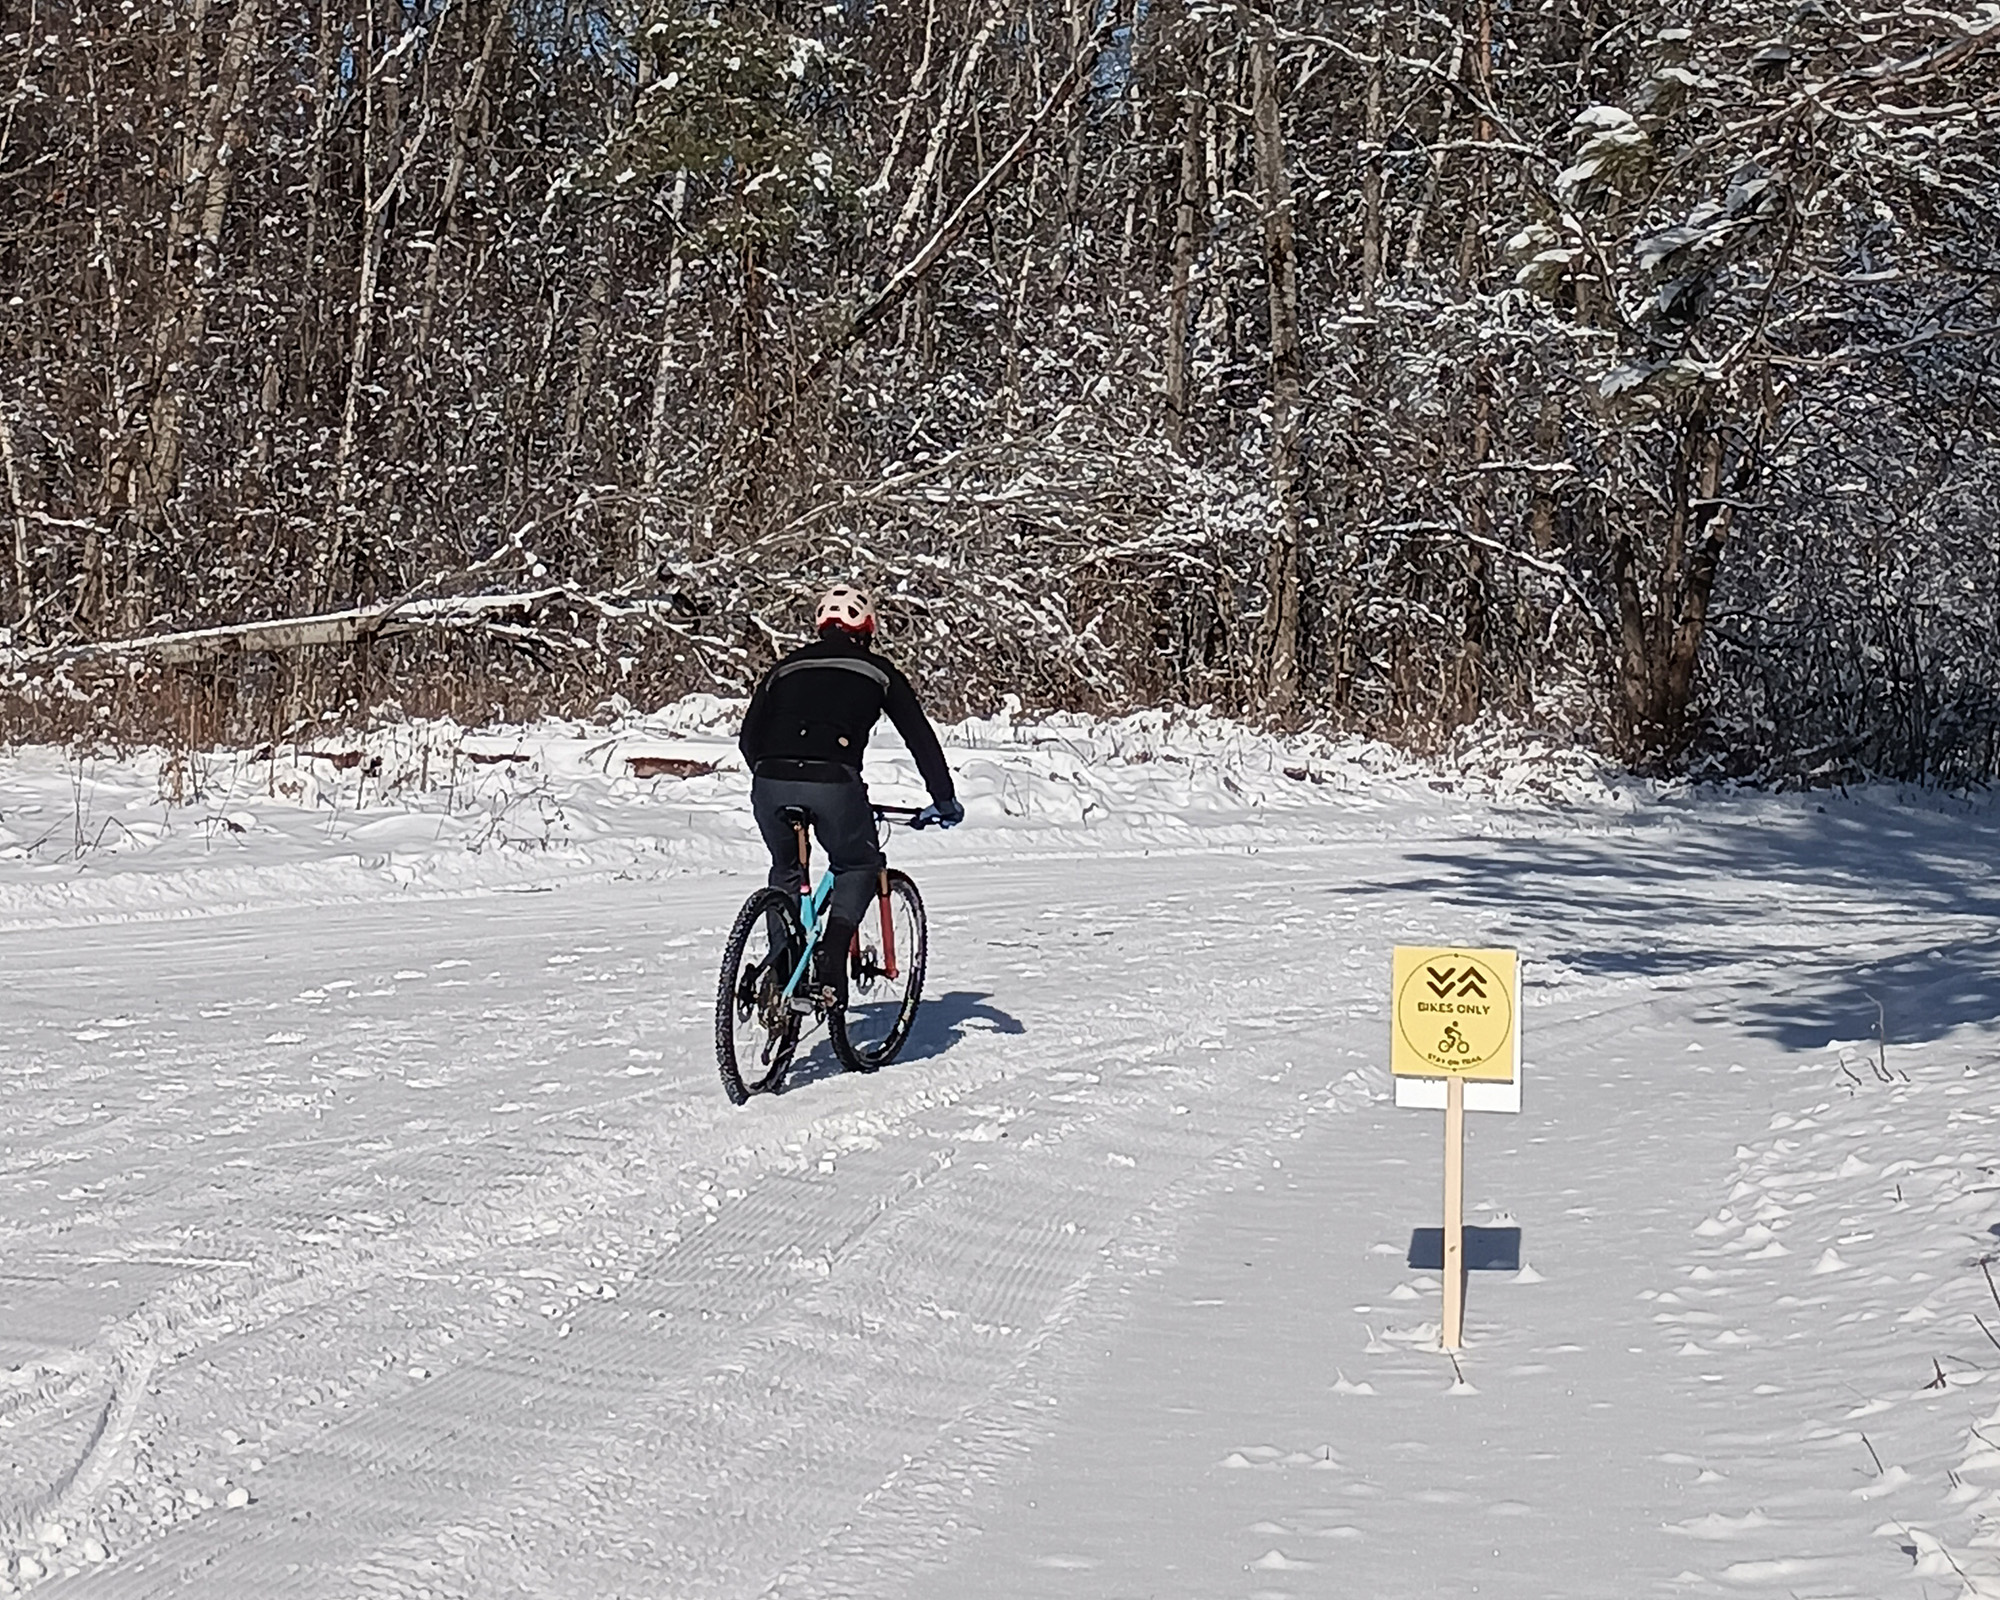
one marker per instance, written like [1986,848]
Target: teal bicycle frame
[812,903]
[812,906]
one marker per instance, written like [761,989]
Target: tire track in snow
[794,1382]
[122,1380]
[605,1191]
[828,1332]
[919,1511]
[268,1291]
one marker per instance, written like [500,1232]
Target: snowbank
[441,808]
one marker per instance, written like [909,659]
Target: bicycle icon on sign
[1454,1043]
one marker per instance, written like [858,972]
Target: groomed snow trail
[428,1225]
[404,1244]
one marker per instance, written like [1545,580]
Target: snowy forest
[1626,369]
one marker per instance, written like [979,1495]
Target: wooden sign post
[1455,1027]
[1451,1329]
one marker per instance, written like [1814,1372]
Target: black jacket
[814,710]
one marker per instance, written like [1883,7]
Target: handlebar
[906,815]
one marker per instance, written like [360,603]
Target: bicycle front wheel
[885,979]
[756,1029]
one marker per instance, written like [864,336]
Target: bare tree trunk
[918,80]
[1660,644]
[945,125]
[1011,407]
[1413,249]
[1542,505]
[454,179]
[1187,213]
[590,334]
[913,272]
[1279,633]
[645,555]
[24,626]
[1479,515]
[1472,241]
[146,473]
[331,549]
[1373,133]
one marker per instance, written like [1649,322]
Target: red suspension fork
[888,929]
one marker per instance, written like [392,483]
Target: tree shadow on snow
[1753,912]
[1923,995]
[942,1020]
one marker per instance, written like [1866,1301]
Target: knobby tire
[859,1040]
[751,1018]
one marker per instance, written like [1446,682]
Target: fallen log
[668,767]
[353,626]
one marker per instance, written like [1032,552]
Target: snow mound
[434,807]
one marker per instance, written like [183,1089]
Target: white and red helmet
[845,606]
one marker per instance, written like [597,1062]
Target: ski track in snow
[403,1244]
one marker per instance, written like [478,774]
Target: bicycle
[759,1011]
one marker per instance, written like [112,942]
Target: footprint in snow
[1716,1526]
[1892,1479]
[1267,1456]
[1777,1571]
[1252,1455]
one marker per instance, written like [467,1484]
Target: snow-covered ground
[372,1221]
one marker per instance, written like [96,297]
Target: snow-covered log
[311,632]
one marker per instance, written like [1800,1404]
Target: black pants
[846,829]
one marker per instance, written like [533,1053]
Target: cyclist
[804,737]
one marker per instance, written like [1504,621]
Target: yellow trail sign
[1454,1014]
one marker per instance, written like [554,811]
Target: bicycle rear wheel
[885,980]
[756,1030]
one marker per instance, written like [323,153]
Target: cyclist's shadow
[942,1020]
